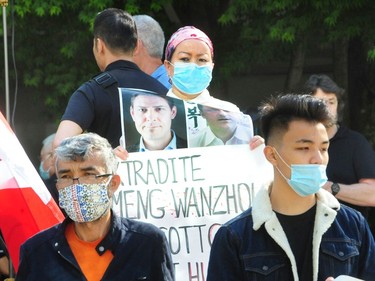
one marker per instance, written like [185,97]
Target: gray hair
[48,140]
[151,34]
[83,146]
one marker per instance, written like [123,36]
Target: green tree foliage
[284,22]
[53,40]
[53,43]
[293,29]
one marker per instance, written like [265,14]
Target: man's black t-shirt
[299,231]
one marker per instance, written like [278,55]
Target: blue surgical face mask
[305,179]
[43,173]
[190,78]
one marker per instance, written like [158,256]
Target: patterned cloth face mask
[191,78]
[84,202]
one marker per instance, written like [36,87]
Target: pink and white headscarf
[185,33]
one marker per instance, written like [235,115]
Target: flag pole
[4,4]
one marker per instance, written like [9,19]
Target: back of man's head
[151,34]
[279,112]
[117,29]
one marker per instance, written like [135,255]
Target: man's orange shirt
[92,265]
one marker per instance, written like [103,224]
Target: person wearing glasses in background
[93,243]
[351,167]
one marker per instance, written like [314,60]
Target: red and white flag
[26,205]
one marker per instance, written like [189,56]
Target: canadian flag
[26,206]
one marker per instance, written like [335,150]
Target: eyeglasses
[89,179]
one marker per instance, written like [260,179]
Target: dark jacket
[253,246]
[140,252]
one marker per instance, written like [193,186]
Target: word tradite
[161,171]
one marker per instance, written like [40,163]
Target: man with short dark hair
[93,243]
[94,107]
[153,116]
[295,230]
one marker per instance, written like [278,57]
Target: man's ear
[270,154]
[114,184]
[131,110]
[99,45]
[173,112]
[137,49]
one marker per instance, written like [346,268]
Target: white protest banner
[181,177]
[189,193]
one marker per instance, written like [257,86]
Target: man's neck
[112,58]
[224,135]
[157,144]
[150,65]
[92,231]
[285,200]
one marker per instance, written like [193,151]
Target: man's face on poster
[152,116]
[218,119]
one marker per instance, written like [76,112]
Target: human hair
[83,146]
[327,85]
[48,140]
[167,99]
[277,113]
[117,29]
[151,34]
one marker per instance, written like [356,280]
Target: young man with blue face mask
[295,230]
[93,243]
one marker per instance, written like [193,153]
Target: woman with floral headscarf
[189,62]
